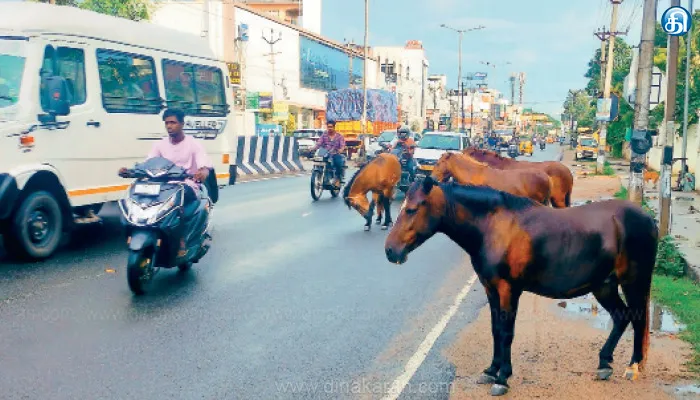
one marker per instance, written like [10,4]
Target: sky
[550,40]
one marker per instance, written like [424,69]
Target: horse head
[418,220]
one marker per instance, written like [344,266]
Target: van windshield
[386,136]
[439,142]
[12,60]
[589,143]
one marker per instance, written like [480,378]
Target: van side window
[128,83]
[196,89]
[70,64]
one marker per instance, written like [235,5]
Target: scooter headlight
[150,214]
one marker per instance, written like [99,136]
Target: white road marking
[306,214]
[271,178]
[419,356]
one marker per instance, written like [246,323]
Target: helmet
[403,132]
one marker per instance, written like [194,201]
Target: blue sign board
[327,68]
[268,130]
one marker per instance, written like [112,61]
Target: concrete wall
[656,153]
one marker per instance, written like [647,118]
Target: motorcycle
[157,220]
[323,175]
[406,179]
[542,145]
[513,151]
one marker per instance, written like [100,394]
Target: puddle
[688,389]
[662,320]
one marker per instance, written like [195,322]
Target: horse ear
[428,183]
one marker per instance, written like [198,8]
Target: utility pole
[608,83]
[512,90]
[459,72]
[272,54]
[602,35]
[364,71]
[461,107]
[686,102]
[667,161]
[641,108]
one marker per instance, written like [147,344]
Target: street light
[459,73]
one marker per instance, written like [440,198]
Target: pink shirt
[188,154]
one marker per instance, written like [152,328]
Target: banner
[280,111]
[346,105]
[265,102]
[252,101]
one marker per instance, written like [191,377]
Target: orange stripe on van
[97,190]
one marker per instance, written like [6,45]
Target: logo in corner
[676,21]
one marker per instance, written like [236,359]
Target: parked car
[307,140]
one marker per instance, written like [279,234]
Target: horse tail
[567,199]
[645,337]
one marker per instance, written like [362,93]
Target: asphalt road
[294,300]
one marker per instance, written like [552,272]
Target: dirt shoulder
[556,346]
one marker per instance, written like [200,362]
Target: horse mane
[482,199]
[348,186]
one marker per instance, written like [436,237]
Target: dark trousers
[338,161]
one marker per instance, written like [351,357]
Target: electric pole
[641,108]
[272,54]
[686,101]
[364,71]
[602,35]
[667,161]
[608,83]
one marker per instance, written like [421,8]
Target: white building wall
[311,15]
[411,80]
[189,16]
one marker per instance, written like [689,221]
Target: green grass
[682,297]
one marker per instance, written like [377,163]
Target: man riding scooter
[405,144]
[184,151]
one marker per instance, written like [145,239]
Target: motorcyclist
[405,144]
[335,144]
[183,151]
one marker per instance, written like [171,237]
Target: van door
[65,146]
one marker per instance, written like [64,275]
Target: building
[437,102]
[282,72]
[406,73]
[302,13]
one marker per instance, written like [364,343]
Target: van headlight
[148,215]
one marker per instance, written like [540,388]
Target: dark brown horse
[562,179]
[531,183]
[380,177]
[516,245]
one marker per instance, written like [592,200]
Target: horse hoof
[499,390]
[632,372]
[486,379]
[367,228]
[603,374]
[379,221]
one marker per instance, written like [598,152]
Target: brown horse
[380,177]
[516,245]
[530,183]
[562,179]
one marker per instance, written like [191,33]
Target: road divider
[264,155]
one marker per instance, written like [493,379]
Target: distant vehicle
[307,140]
[587,148]
[433,145]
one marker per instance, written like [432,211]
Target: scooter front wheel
[140,270]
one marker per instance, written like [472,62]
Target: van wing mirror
[57,95]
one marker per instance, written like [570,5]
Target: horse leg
[637,296]
[387,210]
[380,207]
[368,216]
[608,297]
[488,377]
[508,304]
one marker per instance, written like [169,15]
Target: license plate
[427,167]
[147,190]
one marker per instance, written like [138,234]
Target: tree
[136,10]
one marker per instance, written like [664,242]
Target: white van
[81,95]
[433,145]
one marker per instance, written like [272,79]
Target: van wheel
[37,227]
